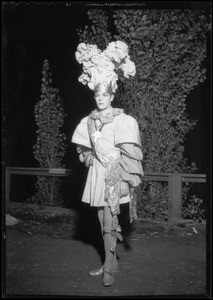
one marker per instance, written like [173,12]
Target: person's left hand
[124,188]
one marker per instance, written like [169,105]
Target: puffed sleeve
[126,130]
[81,135]
[127,138]
[130,162]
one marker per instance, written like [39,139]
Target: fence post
[175,198]
[7,186]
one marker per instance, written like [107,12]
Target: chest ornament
[96,136]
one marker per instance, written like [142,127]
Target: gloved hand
[124,188]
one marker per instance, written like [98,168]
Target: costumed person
[108,143]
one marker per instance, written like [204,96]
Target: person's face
[103,99]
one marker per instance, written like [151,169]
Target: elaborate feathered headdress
[99,67]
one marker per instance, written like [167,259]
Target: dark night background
[35,32]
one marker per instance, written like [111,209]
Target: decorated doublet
[113,142]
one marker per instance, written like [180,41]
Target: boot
[96,272]
[108,278]
[99,271]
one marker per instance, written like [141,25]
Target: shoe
[97,272]
[108,278]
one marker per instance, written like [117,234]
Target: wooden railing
[32,171]
[174,182]
[175,190]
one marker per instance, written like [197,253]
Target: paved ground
[49,252]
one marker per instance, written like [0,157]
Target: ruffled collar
[108,117]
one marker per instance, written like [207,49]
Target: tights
[105,219]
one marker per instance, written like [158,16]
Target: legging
[105,219]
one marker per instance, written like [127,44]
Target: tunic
[111,138]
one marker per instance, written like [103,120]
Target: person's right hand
[89,160]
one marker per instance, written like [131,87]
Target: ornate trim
[107,118]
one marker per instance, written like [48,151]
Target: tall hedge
[50,146]
[168,48]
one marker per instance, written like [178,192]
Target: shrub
[49,149]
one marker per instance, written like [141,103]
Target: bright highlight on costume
[99,67]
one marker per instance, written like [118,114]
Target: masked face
[103,98]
